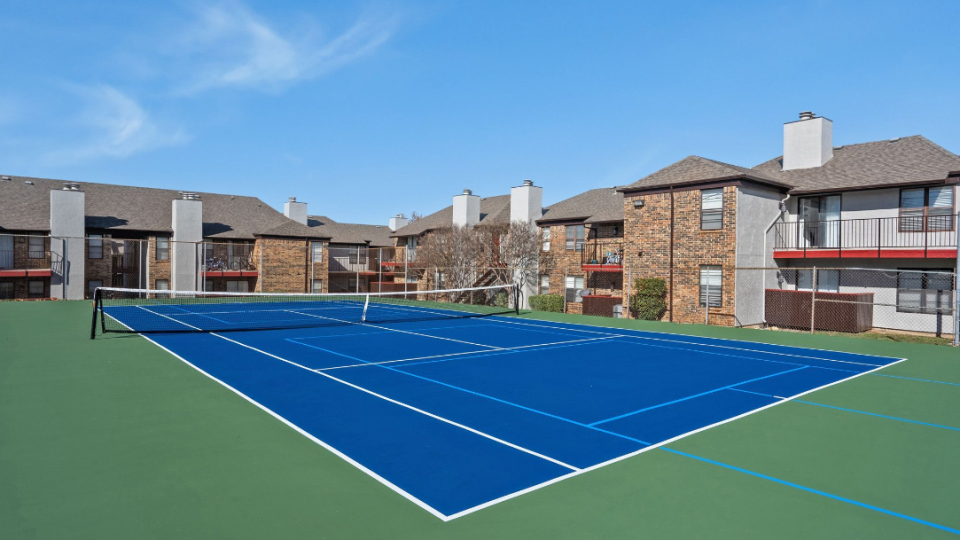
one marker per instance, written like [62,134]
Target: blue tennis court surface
[456,414]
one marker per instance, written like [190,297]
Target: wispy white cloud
[112,124]
[231,46]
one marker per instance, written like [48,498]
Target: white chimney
[808,142]
[67,243]
[526,202]
[466,209]
[187,235]
[398,222]
[296,211]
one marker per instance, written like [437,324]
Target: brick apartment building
[60,239]
[584,237]
[884,205]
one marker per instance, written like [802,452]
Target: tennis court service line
[385,398]
[712,345]
[451,355]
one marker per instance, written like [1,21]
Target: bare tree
[454,251]
[513,254]
[415,216]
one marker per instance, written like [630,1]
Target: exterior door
[820,221]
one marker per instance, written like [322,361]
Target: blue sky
[372,108]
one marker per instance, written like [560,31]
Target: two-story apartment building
[885,205]
[62,239]
[584,238]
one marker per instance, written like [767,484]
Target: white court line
[712,345]
[530,489]
[396,330]
[651,447]
[498,349]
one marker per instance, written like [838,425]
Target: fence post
[626,297]
[380,270]
[813,300]
[706,304]
[260,268]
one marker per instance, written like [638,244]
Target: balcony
[909,237]
[599,256]
[32,263]
[369,261]
[228,260]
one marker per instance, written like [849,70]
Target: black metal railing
[27,260]
[228,257]
[868,234]
[607,255]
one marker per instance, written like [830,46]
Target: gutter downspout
[671,253]
[763,297]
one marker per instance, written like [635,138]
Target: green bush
[648,301]
[502,299]
[547,302]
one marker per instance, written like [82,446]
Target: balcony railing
[364,260]
[602,256]
[228,257]
[32,260]
[869,237]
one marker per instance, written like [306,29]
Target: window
[575,237]
[932,207]
[6,291]
[163,248]
[573,286]
[208,285]
[162,285]
[411,248]
[353,285]
[317,249]
[544,284]
[36,289]
[441,280]
[545,236]
[92,286]
[237,286]
[827,280]
[317,285]
[711,283]
[924,291]
[711,209]
[36,247]
[357,255]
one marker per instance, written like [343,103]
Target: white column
[187,232]
[67,243]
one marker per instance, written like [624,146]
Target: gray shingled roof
[897,161]
[601,205]
[126,208]
[493,211]
[909,159]
[351,233]
[694,169]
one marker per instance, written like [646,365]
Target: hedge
[547,302]
[648,301]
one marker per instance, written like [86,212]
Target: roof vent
[293,199]
[188,196]
[806,115]
[71,186]
[838,147]
[28,182]
[467,192]
[895,139]
[528,182]
[5,178]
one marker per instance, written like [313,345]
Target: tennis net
[150,311]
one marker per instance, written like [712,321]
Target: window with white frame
[545,237]
[575,237]
[162,285]
[36,289]
[163,248]
[317,286]
[711,209]
[827,280]
[573,286]
[239,285]
[924,291]
[544,284]
[711,285]
[36,247]
[317,249]
[95,246]
[411,248]
[928,209]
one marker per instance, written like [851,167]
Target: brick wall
[648,231]
[568,263]
[158,269]
[283,265]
